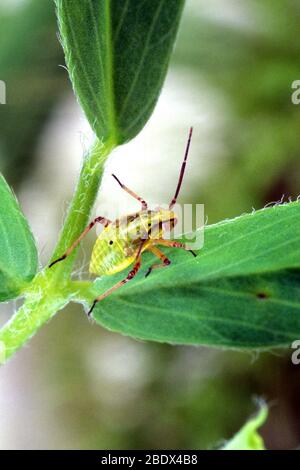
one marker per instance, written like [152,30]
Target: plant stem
[42,303]
[82,203]
[49,292]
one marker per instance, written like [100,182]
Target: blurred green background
[77,386]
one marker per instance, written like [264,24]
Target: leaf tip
[248,437]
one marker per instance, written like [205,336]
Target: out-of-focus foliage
[30,56]
[252,61]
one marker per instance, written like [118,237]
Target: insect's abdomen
[110,258]
[117,246]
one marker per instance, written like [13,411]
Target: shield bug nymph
[122,242]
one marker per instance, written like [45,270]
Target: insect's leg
[128,278]
[100,220]
[164,260]
[173,244]
[144,203]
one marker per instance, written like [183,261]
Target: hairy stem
[49,292]
[82,203]
[42,302]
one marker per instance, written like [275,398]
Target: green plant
[242,290]
[248,438]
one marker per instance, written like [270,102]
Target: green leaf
[117,53]
[248,438]
[18,253]
[242,291]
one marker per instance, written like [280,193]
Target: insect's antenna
[173,202]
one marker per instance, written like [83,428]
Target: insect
[122,242]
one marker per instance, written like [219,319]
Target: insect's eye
[149,224]
[111,242]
